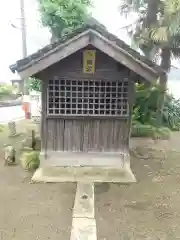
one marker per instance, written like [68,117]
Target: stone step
[84,174]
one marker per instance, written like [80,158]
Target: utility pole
[26,100]
[24,38]
[23,29]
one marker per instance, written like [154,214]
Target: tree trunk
[53,38]
[150,22]
[166,59]
[152,10]
[166,65]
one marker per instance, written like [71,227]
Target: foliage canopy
[34,84]
[62,16]
[145,107]
[156,30]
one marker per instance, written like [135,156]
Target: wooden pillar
[131,97]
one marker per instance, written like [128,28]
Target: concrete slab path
[83,222]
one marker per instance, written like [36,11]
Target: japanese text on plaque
[89,61]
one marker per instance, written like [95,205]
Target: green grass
[30,160]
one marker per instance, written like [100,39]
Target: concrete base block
[84,201]
[85,159]
[84,174]
[83,228]
[84,223]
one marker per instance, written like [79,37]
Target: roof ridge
[95,26]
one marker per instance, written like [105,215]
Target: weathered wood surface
[86,135]
[106,68]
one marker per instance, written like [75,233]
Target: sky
[106,11]
[37,36]
[10,39]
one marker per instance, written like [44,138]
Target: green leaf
[63,14]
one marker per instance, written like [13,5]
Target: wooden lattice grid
[88,97]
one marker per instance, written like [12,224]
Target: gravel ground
[33,211]
[148,209]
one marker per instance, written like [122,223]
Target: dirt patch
[148,209]
[32,211]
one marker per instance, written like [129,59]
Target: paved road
[11,113]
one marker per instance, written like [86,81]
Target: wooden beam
[100,42]
[113,43]
[123,59]
[116,53]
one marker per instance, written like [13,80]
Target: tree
[157,28]
[62,16]
[145,107]
[156,32]
[33,84]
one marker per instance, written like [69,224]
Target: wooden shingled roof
[92,30]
